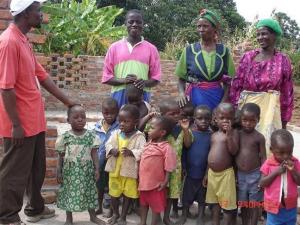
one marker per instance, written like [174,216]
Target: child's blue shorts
[284,217]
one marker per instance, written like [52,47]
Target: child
[78,166]
[221,189]
[196,164]
[250,157]
[157,161]
[187,112]
[180,136]
[123,150]
[280,178]
[135,96]
[104,128]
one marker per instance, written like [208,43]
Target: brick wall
[51,135]
[79,77]
[5,16]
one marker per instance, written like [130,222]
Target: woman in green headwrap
[264,70]
[264,77]
[205,65]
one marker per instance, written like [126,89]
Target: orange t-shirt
[20,70]
[157,159]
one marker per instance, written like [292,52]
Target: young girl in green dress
[78,167]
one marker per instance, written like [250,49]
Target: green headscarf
[212,17]
[272,24]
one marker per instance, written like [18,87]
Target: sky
[263,8]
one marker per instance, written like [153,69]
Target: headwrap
[272,24]
[212,17]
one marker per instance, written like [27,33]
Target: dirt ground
[296,113]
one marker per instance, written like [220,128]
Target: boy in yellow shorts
[221,188]
[123,150]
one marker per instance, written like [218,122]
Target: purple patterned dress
[272,74]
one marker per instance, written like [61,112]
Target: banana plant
[80,27]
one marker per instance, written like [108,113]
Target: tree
[290,28]
[166,19]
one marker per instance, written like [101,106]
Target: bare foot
[68,223]
[174,215]
[122,222]
[114,219]
[109,214]
[167,221]
[69,218]
[200,221]
[181,220]
[96,220]
[99,211]
[192,216]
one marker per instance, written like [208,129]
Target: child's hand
[289,164]
[97,175]
[59,177]
[204,181]
[281,169]
[228,129]
[126,152]
[185,124]
[162,185]
[114,152]
[152,114]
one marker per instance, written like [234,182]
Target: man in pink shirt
[132,60]
[22,117]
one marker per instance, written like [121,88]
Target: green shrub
[295,60]
[80,28]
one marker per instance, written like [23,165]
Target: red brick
[51,153]
[5,14]
[51,163]
[43,60]
[3,3]
[50,173]
[50,182]
[36,38]
[50,142]
[51,131]
[3,24]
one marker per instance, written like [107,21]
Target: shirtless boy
[251,156]
[221,189]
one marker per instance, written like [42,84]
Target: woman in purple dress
[264,77]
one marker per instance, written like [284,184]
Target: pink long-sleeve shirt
[272,74]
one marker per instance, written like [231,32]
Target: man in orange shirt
[22,117]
